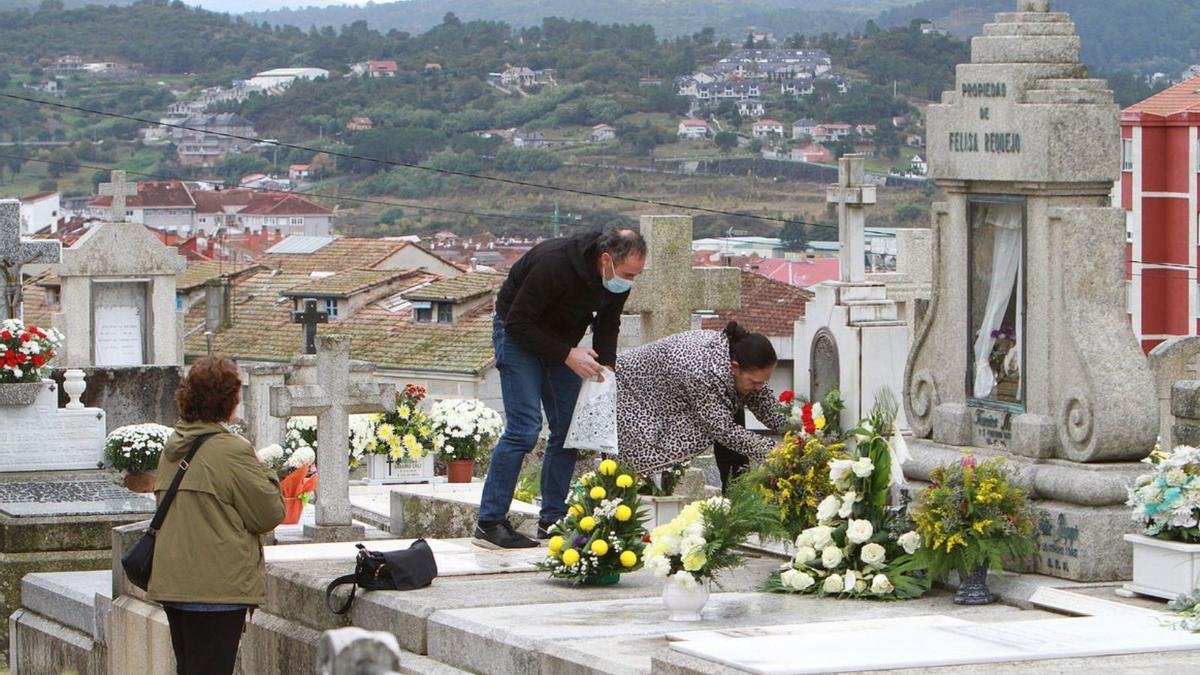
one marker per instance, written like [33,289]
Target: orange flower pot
[292,508]
[140,482]
[460,470]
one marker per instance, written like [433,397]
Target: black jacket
[553,293]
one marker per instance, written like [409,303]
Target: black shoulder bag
[405,570]
[139,560]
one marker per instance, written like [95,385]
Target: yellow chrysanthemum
[576,510]
[587,523]
[404,412]
[555,544]
[600,547]
[628,559]
[608,467]
[819,422]
[570,557]
[387,432]
[598,493]
[624,481]
[623,513]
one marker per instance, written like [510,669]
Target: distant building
[918,166]
[804,127]
[203,140]
[297,172]
[603,132]
[40,212]
[692,129]
[382,68]
[813,152]
[285,77]
[751,107]
[359,123]
[766,128]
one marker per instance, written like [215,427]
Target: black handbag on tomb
[139,560]
[403,570]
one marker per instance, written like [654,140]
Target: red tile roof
[768,307]
[694,123]
[36,196]
[383,66]
[154,195]
[1181,98]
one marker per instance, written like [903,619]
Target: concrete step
[67,597]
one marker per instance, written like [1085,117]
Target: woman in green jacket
[208,562]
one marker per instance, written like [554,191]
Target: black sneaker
[501,535]
[544,530]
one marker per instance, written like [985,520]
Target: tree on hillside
[749,43]
[794,236]
[726,141]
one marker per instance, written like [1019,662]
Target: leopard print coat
[675,398]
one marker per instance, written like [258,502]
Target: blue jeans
[528,386]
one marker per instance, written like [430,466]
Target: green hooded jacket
[208,549]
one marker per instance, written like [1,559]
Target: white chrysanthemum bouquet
[135,448]
[468,427]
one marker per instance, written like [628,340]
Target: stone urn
[20,394]
[684,601]
[973,588]
[140,482]
[460,470]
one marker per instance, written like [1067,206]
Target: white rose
[805,554]
[911,541]
[796,580]
[873,554]
[805,539]
[822,536]
[859,531]
[786,576]
[840,470]
[828,509]
[848,502]
[863,467]
[881,585]
[831,557]
[833,584]
[849,581]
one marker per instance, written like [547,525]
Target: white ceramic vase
[684,603]
[1163,569]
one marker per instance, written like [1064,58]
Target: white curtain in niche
[1006,268]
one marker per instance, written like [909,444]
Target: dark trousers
[206,643]
[731,464]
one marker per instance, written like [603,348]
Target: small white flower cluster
[469,427]
[1168,498]
[607,508]
[135,448]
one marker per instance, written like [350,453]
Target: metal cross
[309,318]
[16,252]
[118,189]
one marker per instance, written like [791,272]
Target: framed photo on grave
[996,302]
[120,320]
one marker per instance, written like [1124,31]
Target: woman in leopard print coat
[678,395]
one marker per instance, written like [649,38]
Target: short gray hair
[620,243]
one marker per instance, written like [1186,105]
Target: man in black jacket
[552,295]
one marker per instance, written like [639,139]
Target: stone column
[262,428]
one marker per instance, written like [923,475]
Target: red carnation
[24,337]
[787,396]
[5,335]
[21,358]
[38,360]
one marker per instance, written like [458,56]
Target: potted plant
[468,429]
[601,536]
[25,354]
[660,504]
[859,544]
[972,519]
[1166,504]
[135,449]
[291,466]
[403,441]
[703,540]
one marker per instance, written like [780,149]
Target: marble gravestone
[44,437]
[331,387]
[1026,350]
[669,290]
[851,335]
[118,299]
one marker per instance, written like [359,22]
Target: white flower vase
[684,601]
[1163,569]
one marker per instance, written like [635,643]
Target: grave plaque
[43,437]
[1026,350]
[119,324]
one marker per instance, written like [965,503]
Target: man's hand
[583,363]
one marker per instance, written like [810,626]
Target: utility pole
[558,217]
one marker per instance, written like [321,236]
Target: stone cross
[332,387]
[1033,5]
[118,189]
[16,252]
[852,195]
[309,318]
[670,289]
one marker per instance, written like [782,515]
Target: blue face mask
[616,284]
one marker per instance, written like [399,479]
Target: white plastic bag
[594,425]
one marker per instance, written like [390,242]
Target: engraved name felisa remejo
[1001,142]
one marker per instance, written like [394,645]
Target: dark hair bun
[734,332]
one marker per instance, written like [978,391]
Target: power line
[143,174]
[407,165]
